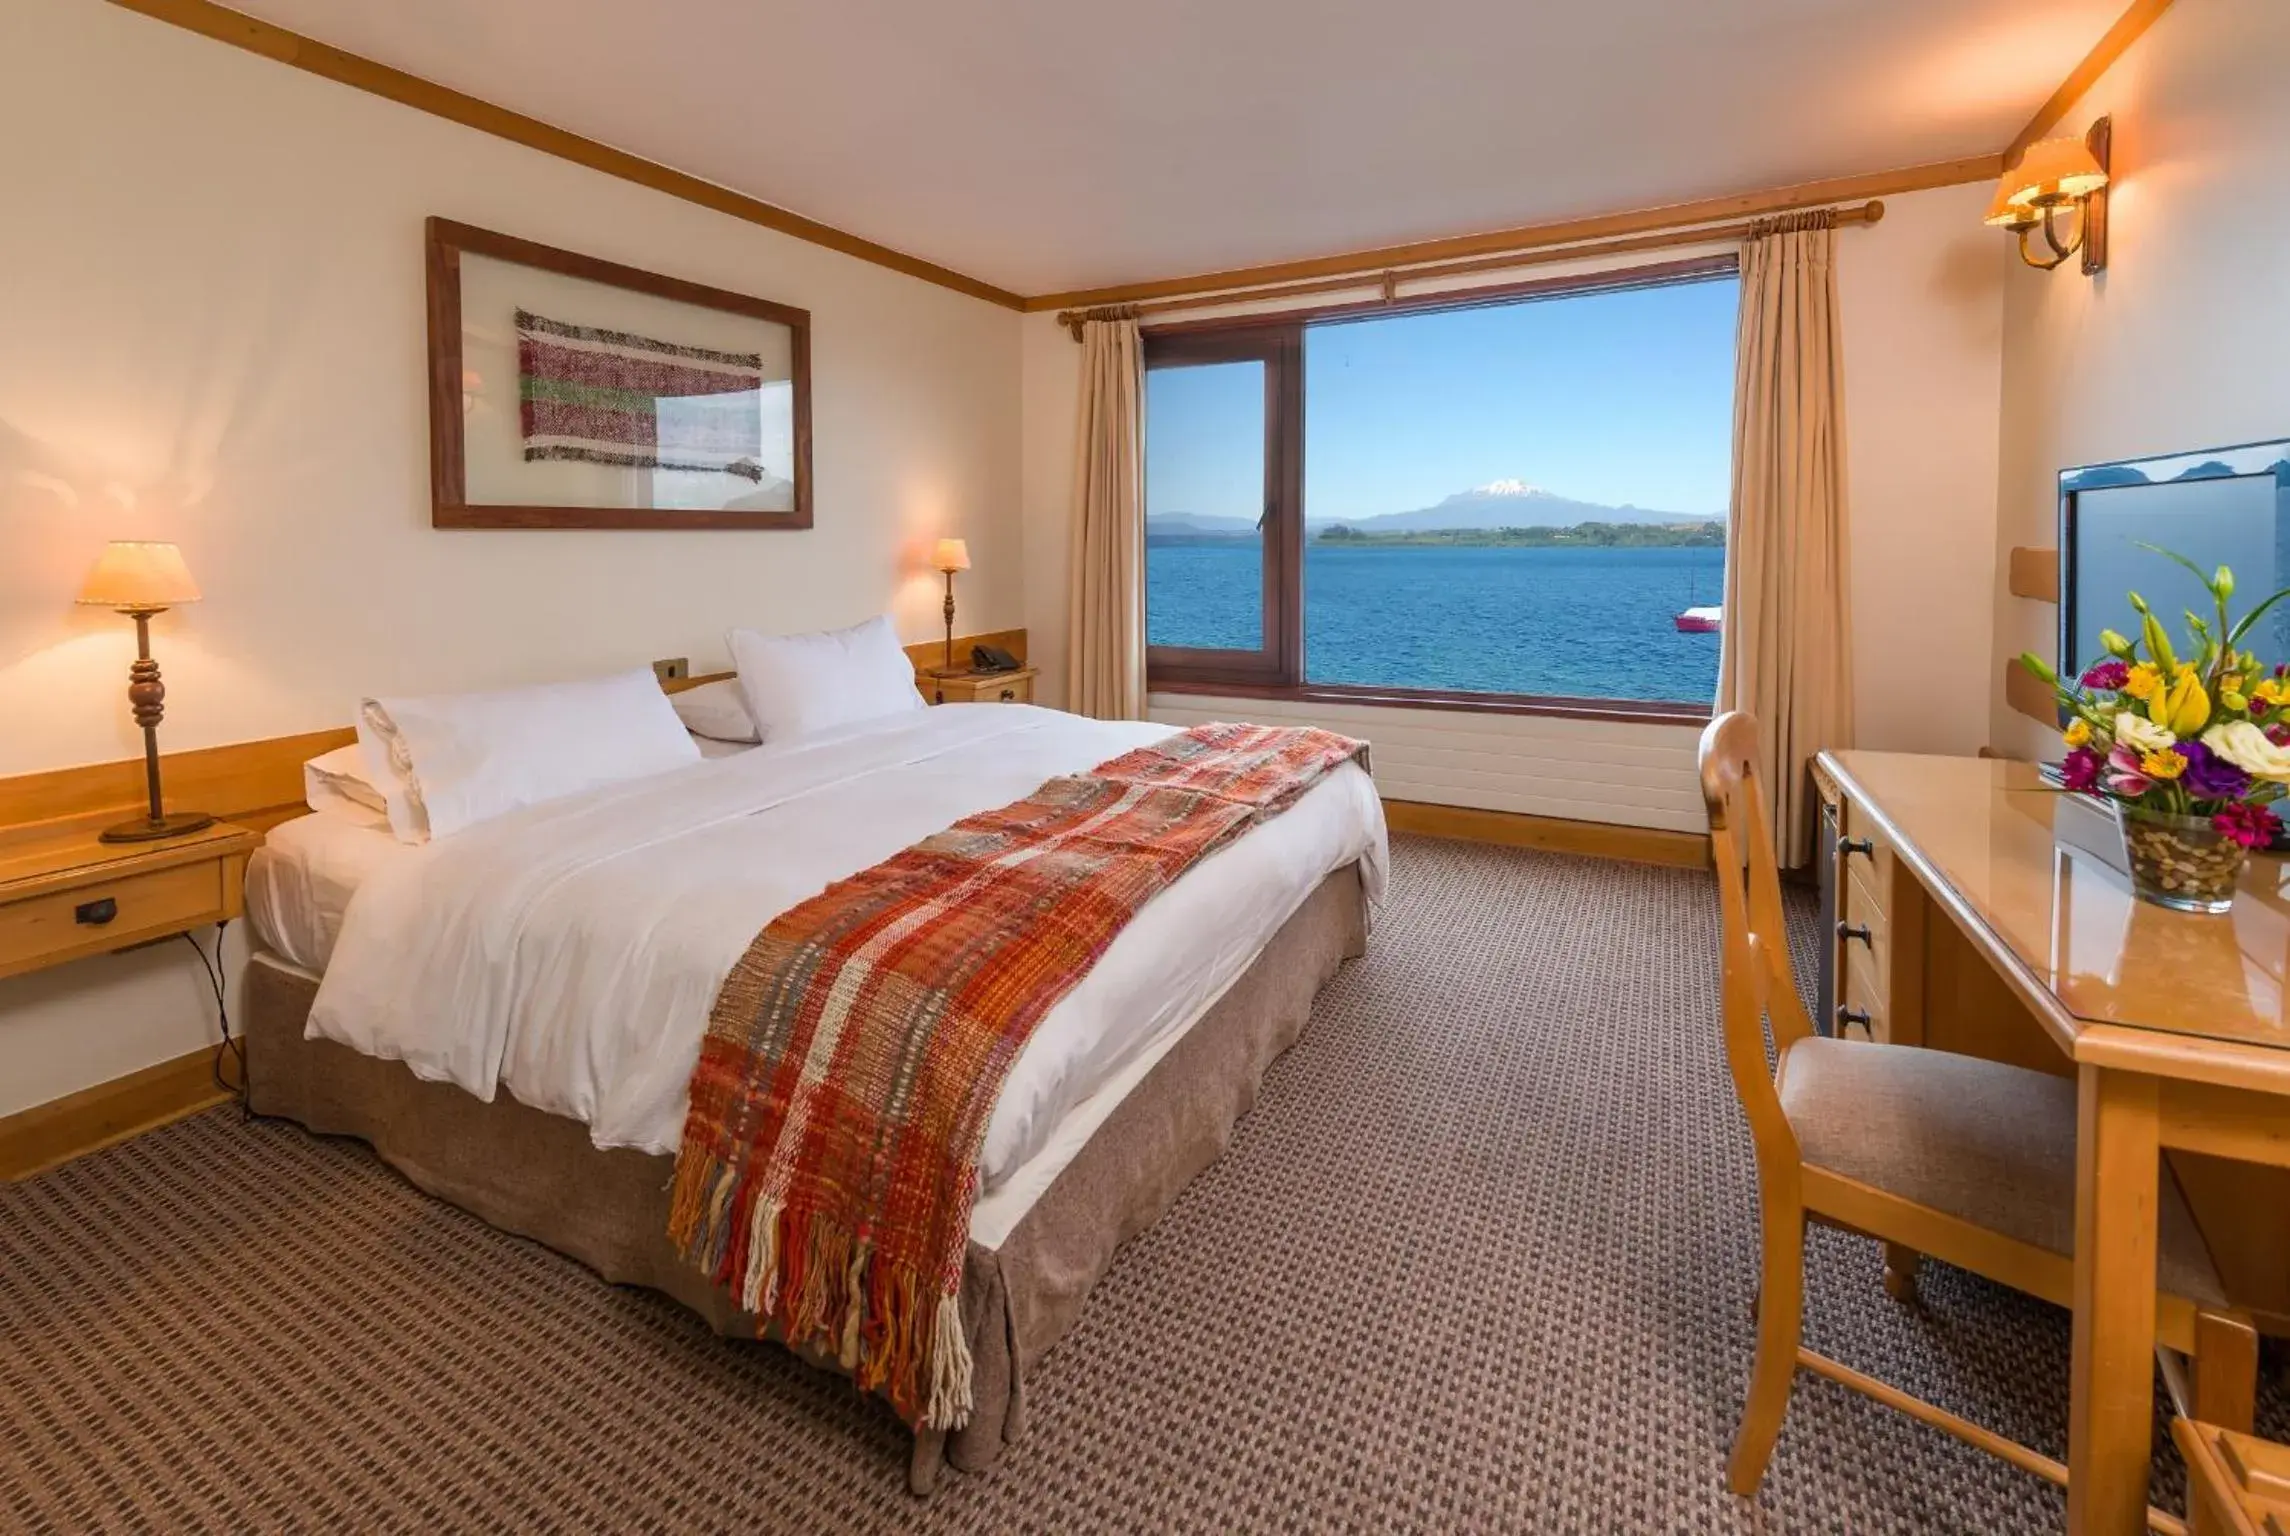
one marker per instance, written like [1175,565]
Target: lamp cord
[230,1045]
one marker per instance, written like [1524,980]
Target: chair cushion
[1987,1143]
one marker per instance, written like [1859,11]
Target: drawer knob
[1848,1017]
[1856,931]
[1008,694]
[96,913]
[1848,846]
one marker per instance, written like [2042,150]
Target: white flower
[2246,746]
[2141,734]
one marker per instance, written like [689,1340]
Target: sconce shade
[2054,168]
[132,577]
[2003,212]
[952,555]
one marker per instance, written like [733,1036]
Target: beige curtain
[1786,655]
[1105,621]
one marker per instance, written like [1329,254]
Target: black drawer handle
[1009,694]
[1848,1017]
[1857,931]
[1848,846]
[96,913]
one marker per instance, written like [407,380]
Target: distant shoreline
[1700,535]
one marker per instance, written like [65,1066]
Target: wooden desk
[2004,939]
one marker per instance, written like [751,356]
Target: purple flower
[2081,770]
[2251,825]
[2109,674]
[2209,776]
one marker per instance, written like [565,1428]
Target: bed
[511,1016]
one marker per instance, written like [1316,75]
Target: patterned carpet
[1481,1259]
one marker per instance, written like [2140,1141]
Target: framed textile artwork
[571,392]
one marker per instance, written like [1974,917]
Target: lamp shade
[2006,214]
[952,555]
[133,576]
[2055,168]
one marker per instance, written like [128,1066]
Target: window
[1515,503]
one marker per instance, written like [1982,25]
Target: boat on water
[1702,621]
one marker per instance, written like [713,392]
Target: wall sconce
[2052,176]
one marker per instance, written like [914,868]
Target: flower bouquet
[2190,751]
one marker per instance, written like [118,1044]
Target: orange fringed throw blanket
[855,1053]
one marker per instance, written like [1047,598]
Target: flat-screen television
[2226,506]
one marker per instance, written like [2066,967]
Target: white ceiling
[1044,145]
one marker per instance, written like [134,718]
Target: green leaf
[2183,560]
[2243,626]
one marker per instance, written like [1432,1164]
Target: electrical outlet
[673,669]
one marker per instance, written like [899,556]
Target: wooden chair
[1970,1161]
[2237,1484]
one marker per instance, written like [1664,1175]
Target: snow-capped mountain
[1497,504]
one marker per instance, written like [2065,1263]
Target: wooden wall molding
[1674,216]
[2025,692]
[240,30]
[259,783]
[1551,834]
[37,1139]
[2034,573]
[305,53]
[254,783]
[2128,29]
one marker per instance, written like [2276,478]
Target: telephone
[992,658]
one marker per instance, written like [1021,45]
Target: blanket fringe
[892,1328]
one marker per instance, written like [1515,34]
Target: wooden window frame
[1277,671]
[1280,658]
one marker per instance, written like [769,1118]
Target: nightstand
[982,687]
[64,895]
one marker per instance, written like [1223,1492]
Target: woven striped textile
[612,397]
[855,1053]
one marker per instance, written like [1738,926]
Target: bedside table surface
[47,858]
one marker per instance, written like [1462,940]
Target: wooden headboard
[259,783]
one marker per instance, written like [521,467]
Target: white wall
[1921,294]
[2183,343]
[212,313]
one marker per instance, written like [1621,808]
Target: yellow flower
[2143,682]
[2078,731]
[2162,765]
[2231,683]
[2184,707]
[2270,691]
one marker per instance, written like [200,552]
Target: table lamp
[140,580]
[953,555]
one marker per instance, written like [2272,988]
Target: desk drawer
[1866,966]
[1873,867]
[64,924]
[1858,995]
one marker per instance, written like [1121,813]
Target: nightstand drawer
[108,914]
[983,688]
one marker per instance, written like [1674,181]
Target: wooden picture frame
[452,402]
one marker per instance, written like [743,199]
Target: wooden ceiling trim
[304,53]
[1810,194]
[2128,29]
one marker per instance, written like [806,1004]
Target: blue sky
[1610,397]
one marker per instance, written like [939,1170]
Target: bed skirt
[536,1174]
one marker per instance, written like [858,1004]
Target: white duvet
[571,952]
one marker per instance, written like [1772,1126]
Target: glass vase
[2181,862]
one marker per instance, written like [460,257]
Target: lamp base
[144,830]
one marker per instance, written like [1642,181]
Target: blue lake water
[1586,623]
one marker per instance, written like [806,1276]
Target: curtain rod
[1390,278]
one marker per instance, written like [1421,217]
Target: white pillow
[796,684]
[716,710]
[335,784]
[448,762]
